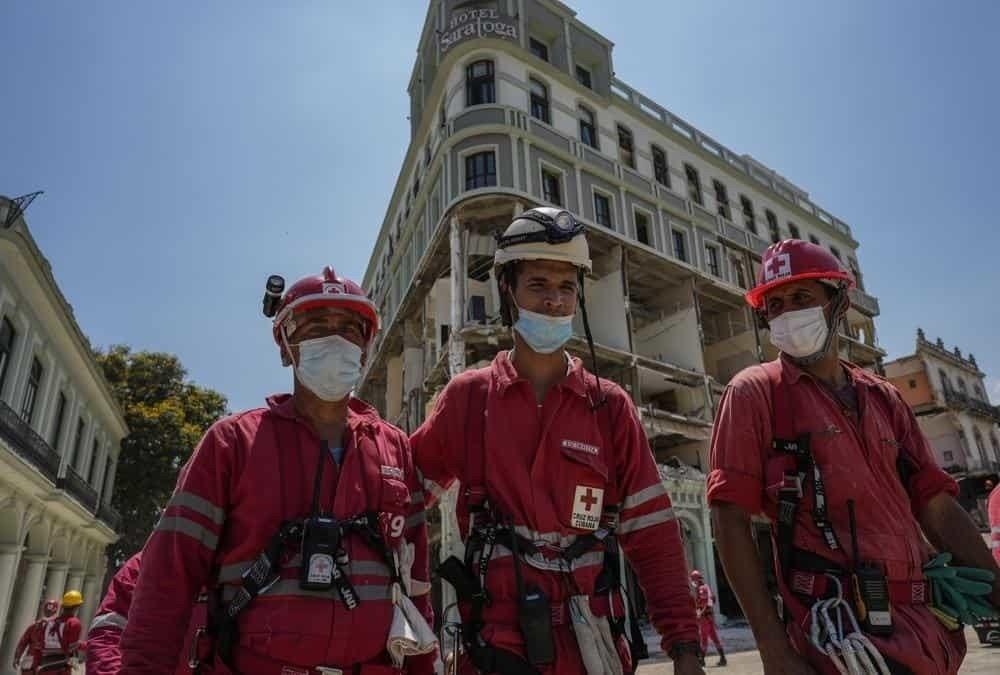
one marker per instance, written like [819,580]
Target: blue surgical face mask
[543,333]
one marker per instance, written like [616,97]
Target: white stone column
[24,605]
[74,580]
[10,556]
[55,581]
[91,588]
[456,345]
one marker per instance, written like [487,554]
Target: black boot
[722,659]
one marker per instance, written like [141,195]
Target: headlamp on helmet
[558,229]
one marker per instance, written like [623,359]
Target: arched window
[979,442]
[480,87]
[996,445]
[961,385]
[945,382]
[588,127]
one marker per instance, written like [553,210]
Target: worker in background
[29,647]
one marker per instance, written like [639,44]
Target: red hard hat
[795,260]
[326,290]
[695,574]
[51,607]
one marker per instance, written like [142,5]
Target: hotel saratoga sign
[467,24]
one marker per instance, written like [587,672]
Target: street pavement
[980,660]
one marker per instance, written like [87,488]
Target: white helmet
[544,233]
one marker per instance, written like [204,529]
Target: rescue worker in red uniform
[62,637]
[834,457]
[304,519]
[30,645]
[551,460]
[704,606]
[104,654]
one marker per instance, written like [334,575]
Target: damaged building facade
[526,111]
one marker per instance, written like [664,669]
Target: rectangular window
[626,151]
[722,200]
[772,226]
[7,337]
[680,247]
[31,392]
[539,49]
[602,210]
[445,333]
[551,188]
[856,271]
[913,384]
[813,239]
[583,77]
[694,184]
[479,85]
[835,252]
[60,418]
[539,101]
[949,456]
[741,277]
[642,228]
[588,127]
[660,169]
[793,230]
[77,442]
[712,260]
[480,170]
[477,308]
[92,471]
[749,219]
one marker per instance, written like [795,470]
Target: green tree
[166,416]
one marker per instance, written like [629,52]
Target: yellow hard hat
[72,599]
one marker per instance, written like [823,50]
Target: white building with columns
[60,434]
[516,104]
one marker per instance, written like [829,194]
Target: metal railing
[27,444]
[864,303]
[75,485]
[958,399]
[109,515]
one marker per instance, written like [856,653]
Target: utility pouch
[534,615]
[871,600]
[320,544]
[456,573]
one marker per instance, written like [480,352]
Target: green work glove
[959,592]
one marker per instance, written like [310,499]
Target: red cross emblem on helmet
[795,260]
[326,290]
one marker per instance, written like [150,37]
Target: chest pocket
[394,504]
[581,486]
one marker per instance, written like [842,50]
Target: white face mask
[800,333]
[329,366]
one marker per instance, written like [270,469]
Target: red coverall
[61,640]
[994,510]
[31,642]
[857,460]
[251,472]
[704,605]
[104,654]
[548,467]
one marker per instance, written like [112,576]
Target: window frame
[544,103]
[81,428]
[62,402]
[663,179]
[749,215]
[722,206]
[695,193]
[468,153]
[592,124]
[560,176]
[589,84]
[681,236]
[712,256]
[813,239]
[793,231]
[650,227]
[836,253]
[32,388]
[625,135]
[610,198]
[532,42]
[773,229]
[7,351]
[473,82]
[95,448]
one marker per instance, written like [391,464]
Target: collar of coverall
[792,373]
[506,375]
[359,413]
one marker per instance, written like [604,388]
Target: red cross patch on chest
[587,507]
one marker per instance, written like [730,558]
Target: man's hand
[687,664]
[786,661]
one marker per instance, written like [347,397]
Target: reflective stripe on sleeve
[198,504]
[192,529]
[648,520]
[109,620]
[642,496]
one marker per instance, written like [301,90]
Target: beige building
[947,392]
[515,104]
[60,433]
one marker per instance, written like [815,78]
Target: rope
[851,653]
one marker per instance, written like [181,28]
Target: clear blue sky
[188,150]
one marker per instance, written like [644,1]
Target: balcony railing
[108,514]
[964,401]
[75,485]
[27,444]
[864,303]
